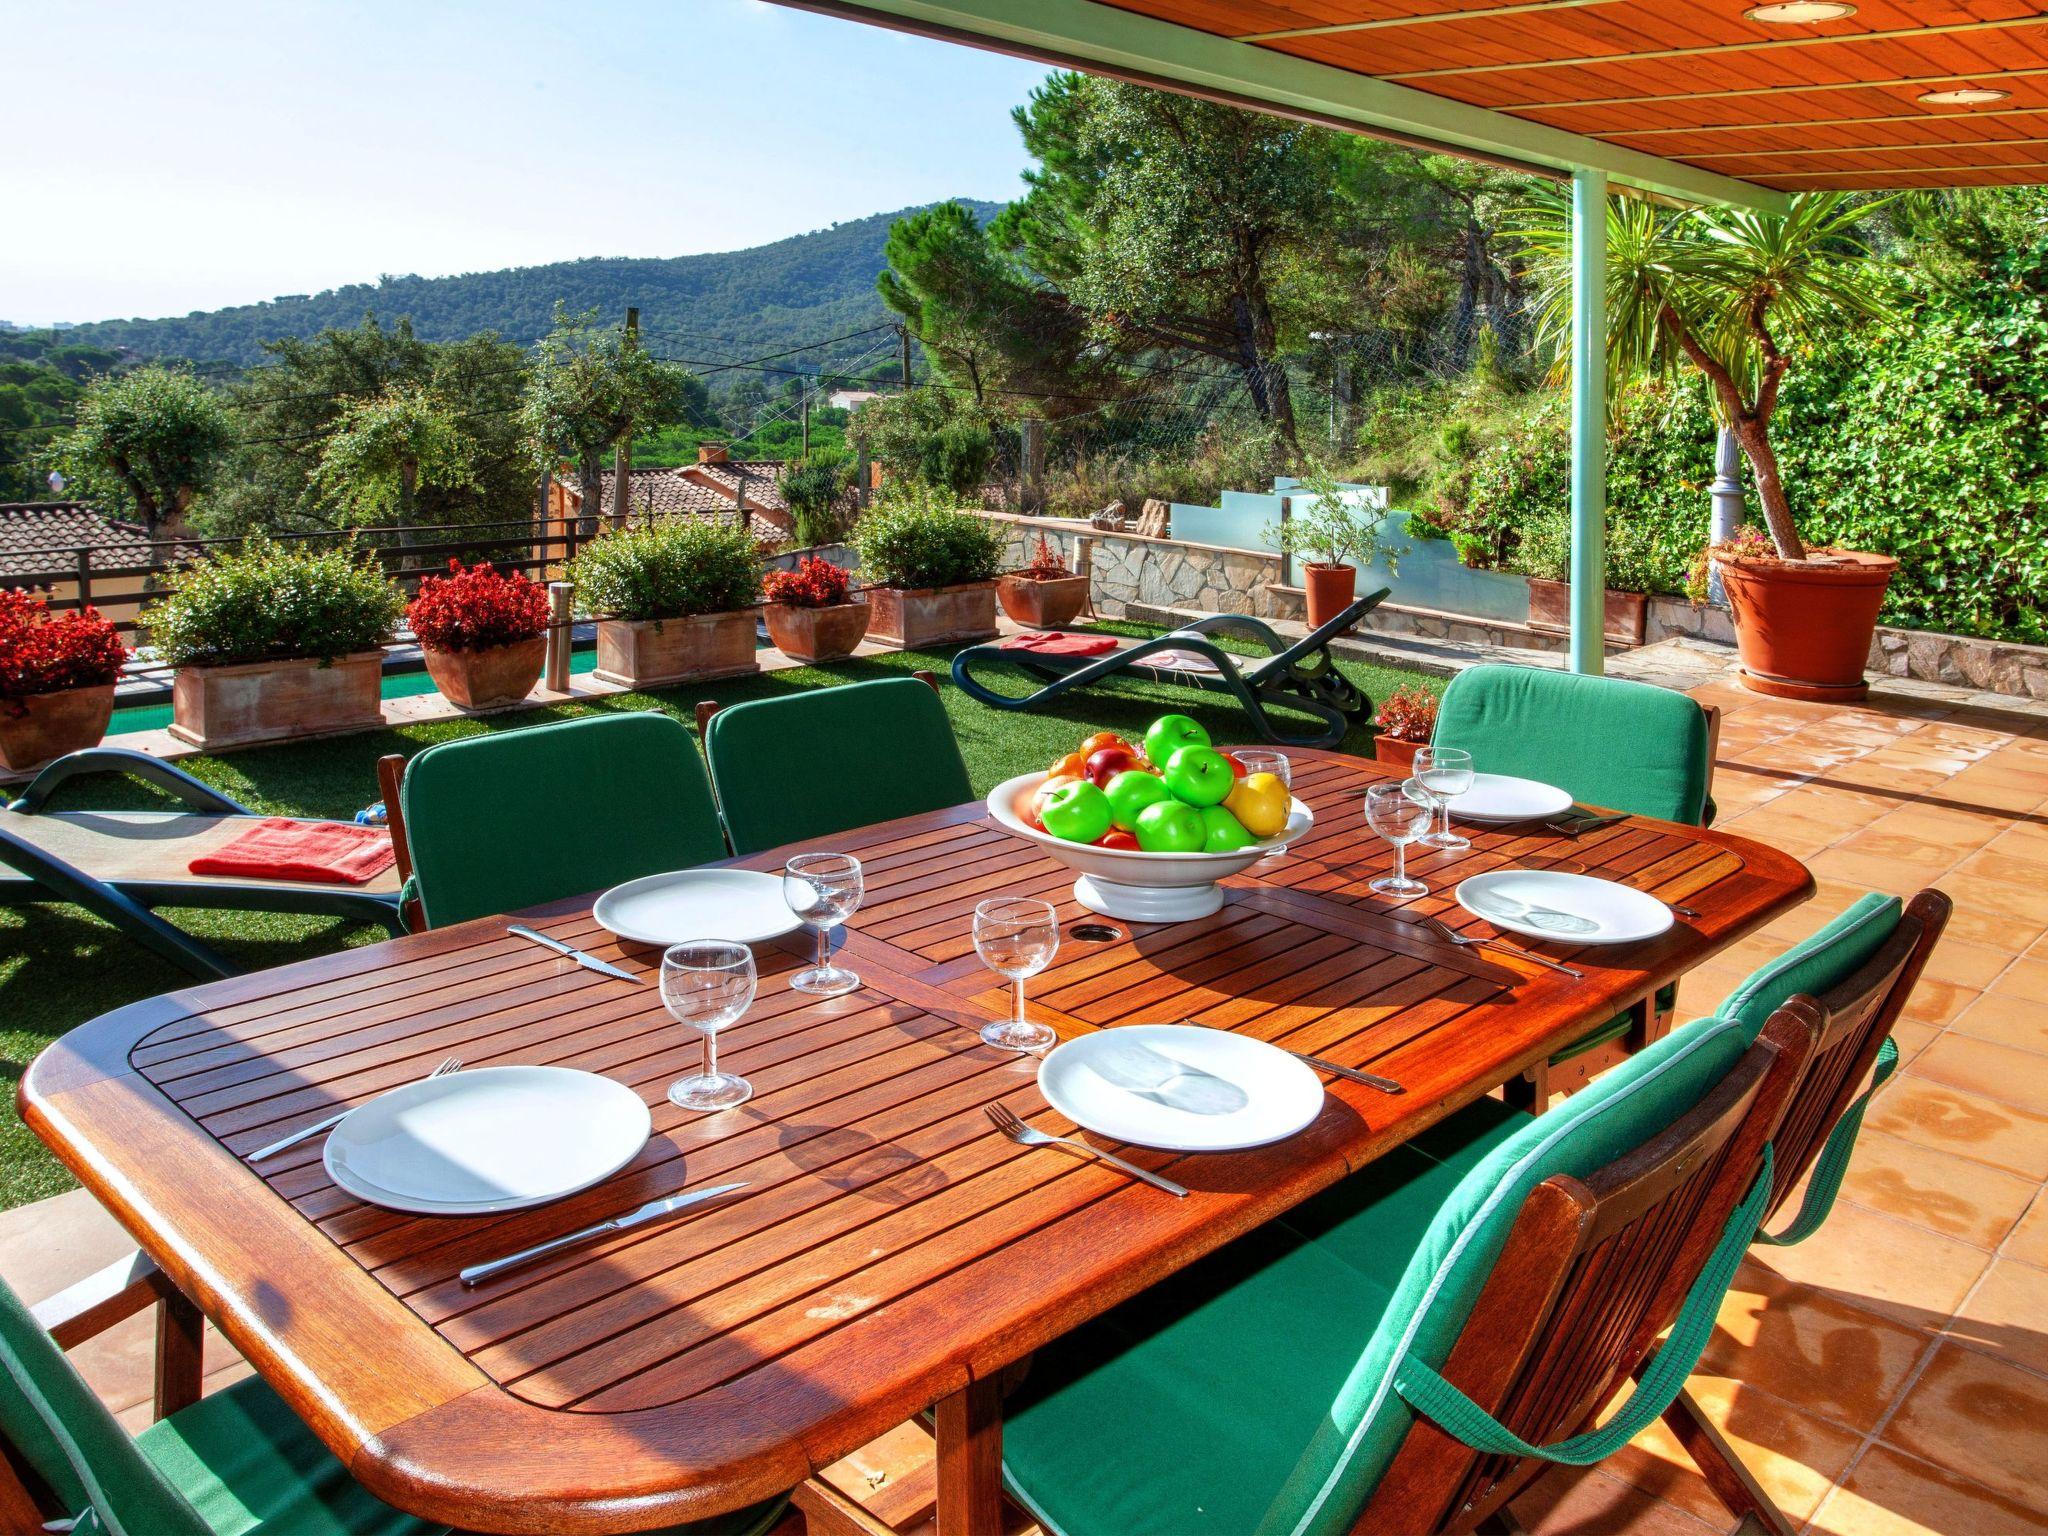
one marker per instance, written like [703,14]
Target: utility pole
[903,343]
[622,453]
[804,394]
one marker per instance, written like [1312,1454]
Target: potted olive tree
[1046,594]
[930,571]
[1338,535]
[1732,294]
[675,600]
[57,676]
[811,613]
[483,634]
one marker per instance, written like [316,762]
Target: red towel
[326,852]
[1046,643]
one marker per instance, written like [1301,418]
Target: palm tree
[1724,290]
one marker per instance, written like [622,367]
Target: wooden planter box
[216,707]
[1550,607]
[647,653]
[817,634]
[1396,753]
[1042,602]
[911,618]
[486,679]
[54,723]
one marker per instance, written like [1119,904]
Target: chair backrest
[1608,741]
[1861,968]
[57,1429]
[1547,1275]
[830,759]
[500,822]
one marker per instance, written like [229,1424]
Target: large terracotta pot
[646,653]
[1330,590]
[817,634]
[216,707]
[1622,617]
[1042,602]
[52,724]
[496,675]
[1394,752]
[911,618]
[1803,627]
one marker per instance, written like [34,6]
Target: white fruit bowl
[1136,886]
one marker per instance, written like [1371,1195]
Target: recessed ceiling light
[1966,96]
[1792,11]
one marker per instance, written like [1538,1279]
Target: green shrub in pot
[916,543]
[267,602]
[672,568]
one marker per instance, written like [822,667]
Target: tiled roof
[698,490]
[38,538]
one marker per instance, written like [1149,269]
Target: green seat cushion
[831,759]
[1607,741]
[501,822]
[1817,963]
[1616,1027]
[248,1464]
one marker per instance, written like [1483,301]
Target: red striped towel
[325,852]
[1046,643]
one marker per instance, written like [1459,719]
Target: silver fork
[306,1133]
[1450,935]
[1030,1136]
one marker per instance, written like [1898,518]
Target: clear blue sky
[166,158]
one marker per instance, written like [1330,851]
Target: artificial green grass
[59,966]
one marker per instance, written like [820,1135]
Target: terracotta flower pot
[1550,607]
[498,674]
[1394,752]
[1042,602]
[52,724]
[646,653]
[817,634]
[1803,627]
[1330,590]
[216,707]
[912,617]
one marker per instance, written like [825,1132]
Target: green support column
[1589,420]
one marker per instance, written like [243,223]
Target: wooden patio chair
[1301,676]
[123,865]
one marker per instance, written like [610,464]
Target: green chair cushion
[501,822]
[832,759]
[1222,1407]
[1816,963]
[1631,746]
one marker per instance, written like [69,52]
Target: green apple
[1223,832]
[1170,827]
[1130,792]
[1199,776]
[1077,813]
[1168,734]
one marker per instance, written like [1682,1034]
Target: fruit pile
[1173,794]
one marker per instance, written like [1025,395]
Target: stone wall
[1130,569]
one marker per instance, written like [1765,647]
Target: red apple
[1116,837]
[1106,763]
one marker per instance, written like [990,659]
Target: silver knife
[654,1210]
[588,962]
[1338,1069]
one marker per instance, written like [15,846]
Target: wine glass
[1400,818]
[1016,937]
[823,889]
[707,984]
[1264,760]
[1446,773]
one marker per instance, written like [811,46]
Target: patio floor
[1891,1375]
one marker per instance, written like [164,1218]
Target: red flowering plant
[42,652]
[474,608]
[815,583]
[1408,715]
[1045,564]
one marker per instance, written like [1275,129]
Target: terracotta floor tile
[1913,1037]
[1875,873]
[1891,1494]
[1809,1347]
[2008,897]
[2007,1316]
[1982,924]
[1948,1120]
[2025,979]
[2015,867]
[1967,830]
[2021,1022]
[1982,1416]
[1938,1002]
[1983,1067]
[1938,1190]
[1585,1501]
[1919,852]
[2028,1241]
[1883,1264]
[1970,965]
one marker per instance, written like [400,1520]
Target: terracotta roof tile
[38,538]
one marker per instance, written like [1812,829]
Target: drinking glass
[823,889]
[1016,937]
[708,984]
[1446,772]
[1400,818]
[1263,760]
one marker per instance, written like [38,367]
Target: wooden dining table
[890,1252]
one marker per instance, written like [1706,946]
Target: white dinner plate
[1180,1087]
[1503,797]
[1572,909]
[494,1139]
[739,905]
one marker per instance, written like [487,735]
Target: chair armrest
[137,765]
[91,1306]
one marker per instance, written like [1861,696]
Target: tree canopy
[148,442]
